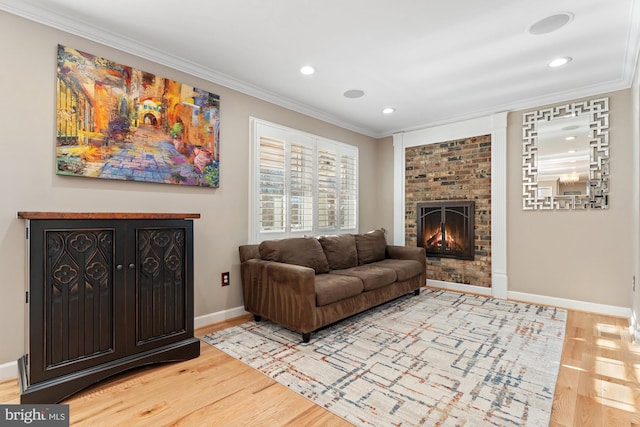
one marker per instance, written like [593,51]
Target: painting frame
[118,122]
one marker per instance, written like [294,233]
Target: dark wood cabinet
[106,293]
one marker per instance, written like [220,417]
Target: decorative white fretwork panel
[597,195]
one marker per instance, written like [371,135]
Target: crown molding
[535,102]
[46,16]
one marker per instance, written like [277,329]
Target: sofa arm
[407,252]
[284,293]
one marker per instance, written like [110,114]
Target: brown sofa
[305,283]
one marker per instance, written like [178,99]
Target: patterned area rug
[438,359]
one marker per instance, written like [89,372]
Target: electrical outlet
[225,279]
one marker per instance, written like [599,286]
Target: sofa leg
[416,292]
[306,337]
[257,318]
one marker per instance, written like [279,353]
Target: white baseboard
[634,328]
[8,370]
[459,287]
[634,333]
[218,316]
[608,310]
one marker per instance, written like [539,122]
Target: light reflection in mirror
[563,156]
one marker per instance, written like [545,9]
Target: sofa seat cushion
[373,277]
[332,288]
[405,269]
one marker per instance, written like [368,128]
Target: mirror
[565,156]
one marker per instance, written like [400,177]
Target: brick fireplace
[459,171]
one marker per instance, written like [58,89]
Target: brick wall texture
[453,170]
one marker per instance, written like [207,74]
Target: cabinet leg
[416,292]
[306,337]
[257,318]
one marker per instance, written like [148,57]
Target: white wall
[578,255]
[576,259]
[589,259]
[28,181]
[384,176]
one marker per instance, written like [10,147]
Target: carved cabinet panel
[159,285]
[105,296]
[72,298]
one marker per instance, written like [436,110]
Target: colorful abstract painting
[117,122]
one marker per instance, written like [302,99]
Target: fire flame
[435,242]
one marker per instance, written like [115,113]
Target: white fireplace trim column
[496,125]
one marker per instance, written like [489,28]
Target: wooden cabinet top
[105,215]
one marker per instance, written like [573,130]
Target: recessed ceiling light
[570,138]
[307,70]
[559,62]
[550,23]
[354,93]
[388,110]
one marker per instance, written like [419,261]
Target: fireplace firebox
[446,229]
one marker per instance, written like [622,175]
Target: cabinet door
[74,291]
[160,282]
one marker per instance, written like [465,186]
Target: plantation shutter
[272,185]
[327,189]
[301,187]
[301,184]
[348,191]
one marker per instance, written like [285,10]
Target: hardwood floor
[599,379]
[598,385]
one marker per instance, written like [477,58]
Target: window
[301,184]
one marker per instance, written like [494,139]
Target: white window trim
[255,235]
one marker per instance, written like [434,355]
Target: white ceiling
[434,61]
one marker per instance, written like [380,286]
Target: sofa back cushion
[371,246]
[340,251]
[304,251]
